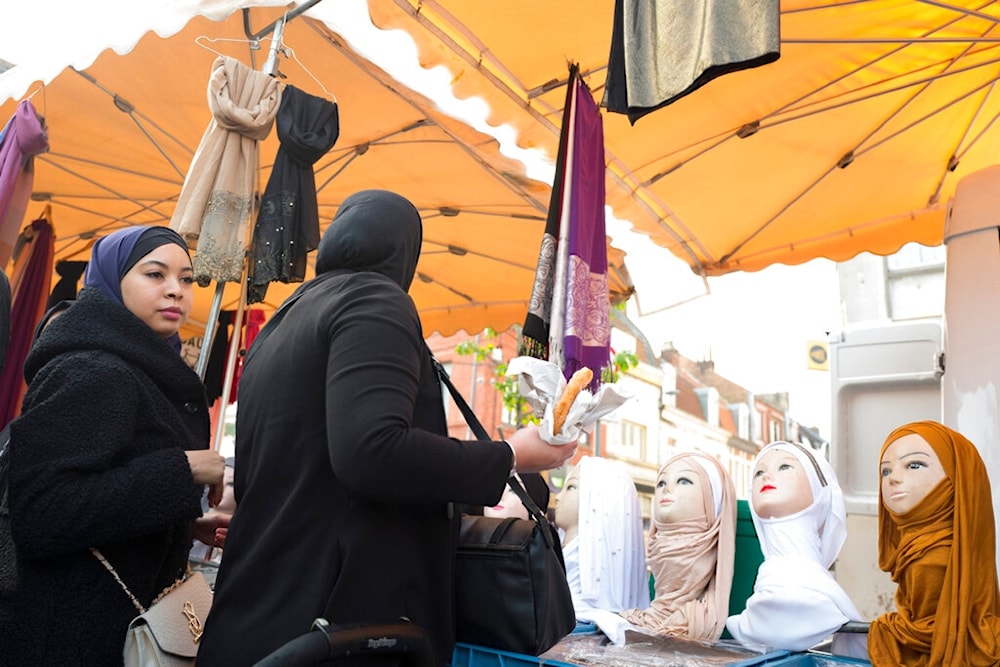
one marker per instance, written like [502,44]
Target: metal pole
[234,348]
[210,329]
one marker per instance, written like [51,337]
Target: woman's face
[780,485]
[159,289]
[568,502]
[909,470]
[679,495]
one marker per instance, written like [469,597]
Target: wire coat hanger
[289,52]
[206,42]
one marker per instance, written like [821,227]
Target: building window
[740,470]
[776,433]
[759,426]
[628,441]
[742,421]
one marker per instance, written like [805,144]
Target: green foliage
[482,349]
[620,363]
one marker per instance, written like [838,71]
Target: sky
[754,326]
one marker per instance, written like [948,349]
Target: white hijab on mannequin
[606,562]
[796,602]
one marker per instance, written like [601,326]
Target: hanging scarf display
[586,315]
[662,50]
[288,222]
[568,316]
[24,137]
[30,282]
[535,333]
[214,206]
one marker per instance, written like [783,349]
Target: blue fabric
[110,254]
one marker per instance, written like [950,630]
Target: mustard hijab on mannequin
[942,553]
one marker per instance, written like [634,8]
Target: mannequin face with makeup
[909,470]
[509,505]
[679,493]
[568,505]
[780,485]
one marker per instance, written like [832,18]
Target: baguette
[577,382]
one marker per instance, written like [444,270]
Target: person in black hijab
[345,476]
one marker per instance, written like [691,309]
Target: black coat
[98,460]
[344,473]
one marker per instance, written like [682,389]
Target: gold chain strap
[138,605]
[111,569]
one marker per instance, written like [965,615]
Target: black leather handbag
[511,591]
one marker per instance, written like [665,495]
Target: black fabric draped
[695,44]
[70,272]
[535,333]
[287,226]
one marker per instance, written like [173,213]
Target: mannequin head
[568,505]
[691,548]
[780,485]
[909,470]
[680,493]
[509,506]
[936,506]
[228,503]
[600,516]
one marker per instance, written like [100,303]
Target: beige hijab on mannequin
[692,559]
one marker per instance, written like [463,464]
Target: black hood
[374,230]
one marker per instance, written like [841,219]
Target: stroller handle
[327,642]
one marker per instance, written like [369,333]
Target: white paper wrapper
[541,383]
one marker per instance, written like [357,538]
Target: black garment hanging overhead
[662,50]
[287,226]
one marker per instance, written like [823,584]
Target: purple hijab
[115,254]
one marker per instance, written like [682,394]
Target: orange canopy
[853,140]
[123,129]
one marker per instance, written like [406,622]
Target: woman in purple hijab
[111,451]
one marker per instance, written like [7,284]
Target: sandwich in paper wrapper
[541,383]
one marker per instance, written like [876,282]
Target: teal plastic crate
[809,659]
[467,655]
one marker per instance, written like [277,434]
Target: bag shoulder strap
[104,561]
[470,417]
[480,431]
